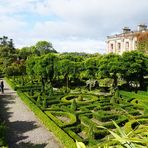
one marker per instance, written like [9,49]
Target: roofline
[131,33]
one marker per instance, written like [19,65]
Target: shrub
[99,134]
[145,93]
[11,83]
[106,108]
[52,102]
[89,115]
[88,98]
[76,129]
[86,121]
[38,101]
[74,105]
[134,113]
[129,126]
[44,103]
[105,117]
[3,131]
[105,104]
[73,135]
[91,133]
[53,114]
[121,121]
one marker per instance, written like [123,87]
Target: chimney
[126,30]
[142,27]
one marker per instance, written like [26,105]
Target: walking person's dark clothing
[2,86]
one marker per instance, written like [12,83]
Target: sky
[70,25]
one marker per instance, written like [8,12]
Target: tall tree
[25,52]
[45,47]
[43,67]
[134,66]
[110,67]
[5,42]
[66,69]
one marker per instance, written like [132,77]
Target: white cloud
[69,24]
[87,45]
[10,26]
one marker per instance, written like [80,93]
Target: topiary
[80,98]
[117,93]
[74,105]
[38,100]
[44,102]
[91,133]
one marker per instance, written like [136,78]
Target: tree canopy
[45,47]
[42,61]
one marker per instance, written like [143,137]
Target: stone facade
[126,41]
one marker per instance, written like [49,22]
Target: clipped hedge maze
[79,115]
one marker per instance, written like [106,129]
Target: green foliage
[80,145]
[71,118]
[38,100]
[5,42]
[116,94]
[45,47]
[91,65]
[91,133]
[3,131]
[73,134]
[78,115]
[44,103]
[49,70]
[11,83]
[126,140]
[121,121]
[86,98]
[15,69]
[74,105]
[104,117]
[106,82]
[142,99]
[65,90]
[80,98]
[109,67]
[7,52]
[26,52]
[136,68]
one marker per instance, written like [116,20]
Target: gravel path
[24,129]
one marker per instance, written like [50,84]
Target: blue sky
[71,25]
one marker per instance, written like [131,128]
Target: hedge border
[128,125]
[11,84]
[71,116]
[93,98]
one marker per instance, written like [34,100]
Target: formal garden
[80,113]
[99,100]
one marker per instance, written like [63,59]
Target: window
[127,45]
[111,47]
[136,44]
[119,47]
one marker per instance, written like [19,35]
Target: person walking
[2,86]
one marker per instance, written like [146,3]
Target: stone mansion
[125,41]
